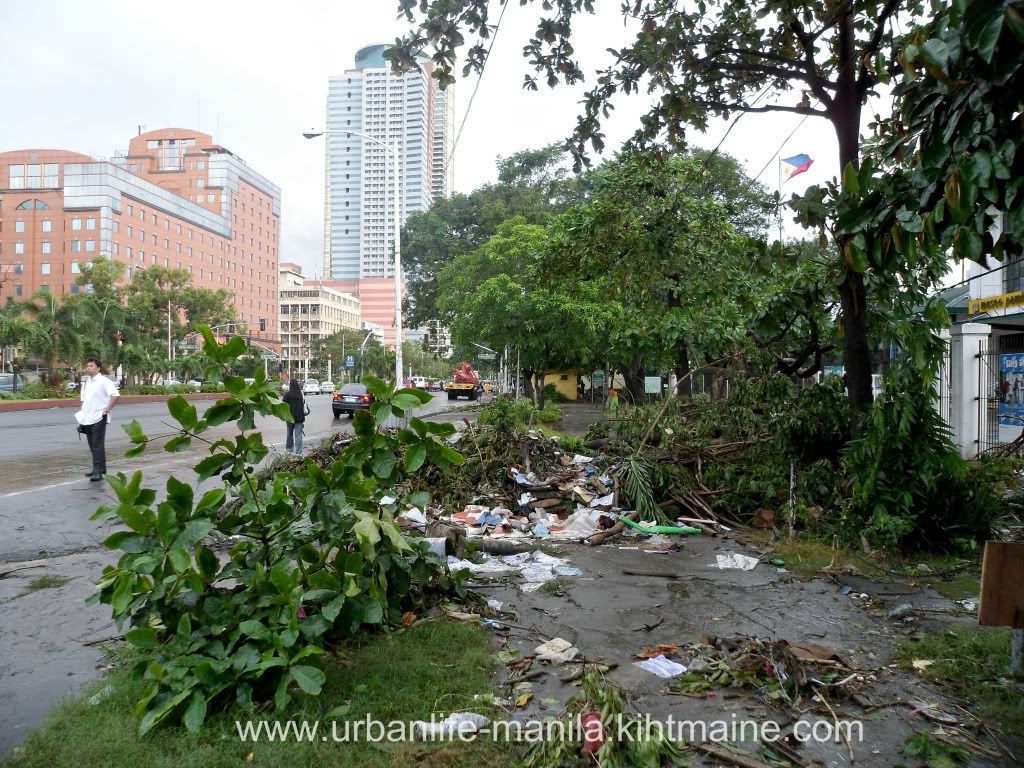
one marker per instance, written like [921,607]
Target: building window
[74,287]
[17,177]
[179,228]
[46,246]
[17,289]
[142,236]
[128,251]
[19,247]
[76,246]
[19,268]
[130,210]
[90,223]
[154,219]
[19,226]
[47,225]
[76,223]
[90,245]
[142,256]
[131,231]
[75,268]
[45,268]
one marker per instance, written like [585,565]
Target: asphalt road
[45,500]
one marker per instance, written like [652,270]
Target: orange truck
[465,382]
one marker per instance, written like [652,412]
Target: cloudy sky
[85,75]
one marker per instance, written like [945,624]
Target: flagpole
[778,210]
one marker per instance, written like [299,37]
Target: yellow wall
[564,381]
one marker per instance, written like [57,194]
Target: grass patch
[975,664]
[808,556]
[436,667]
[963,586]
[47,582]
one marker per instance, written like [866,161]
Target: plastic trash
[733,561]
[568,570]
[437,546]
[662,667]
[489,518]
[459,723]
[540,530]
[413,515]
[682,530]
[557,651]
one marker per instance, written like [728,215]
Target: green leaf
[377,387]
[158,713]
[935,53]
[382,412]
[211,501]
[122,595]
[235,347]
[309,679]
[851,182]
[180,495]
[983,28]
[126,541]
[384,465]
[254,629]
[415,456]
[281,578]
[179,443]
[138,450]
[142,637]
[213,465]
[134,432]
[180,560]
[183,411]
[442,454]
[223,411]
[166,524]
[234,384]
[333,608]
[374,613]
[193,532]
[195,714]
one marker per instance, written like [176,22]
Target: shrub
[910,487]
[550,414]
[36,390]
[318,557]
[506,415]
[552,394]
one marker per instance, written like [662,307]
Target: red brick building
[175,199]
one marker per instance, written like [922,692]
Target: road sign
[350,361]
[487,355]
[597,379]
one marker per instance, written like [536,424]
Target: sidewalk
[50,641]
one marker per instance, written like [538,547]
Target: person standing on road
[99,394]
[297,404]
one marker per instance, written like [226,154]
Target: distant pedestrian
[297,404]
[613,401]
[99,394]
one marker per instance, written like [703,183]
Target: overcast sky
[84,76]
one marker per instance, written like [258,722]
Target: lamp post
[393,149]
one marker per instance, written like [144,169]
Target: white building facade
[310,311]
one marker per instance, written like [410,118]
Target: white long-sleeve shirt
[96,395]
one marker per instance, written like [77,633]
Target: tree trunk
[683,385]
[633,374]
[845,116]
[527,378]
[539,389]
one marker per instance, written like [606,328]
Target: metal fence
[1000,395]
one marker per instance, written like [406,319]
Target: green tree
[56,337]
[101,310]
[652,239]
[715,58]
[533,185]
[498,296]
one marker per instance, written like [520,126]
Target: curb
[7,406]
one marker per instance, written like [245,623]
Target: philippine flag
[796,164]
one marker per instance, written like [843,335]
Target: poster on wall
[1011,390]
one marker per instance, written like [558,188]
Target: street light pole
[398,270]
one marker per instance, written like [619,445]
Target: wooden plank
[1002,585]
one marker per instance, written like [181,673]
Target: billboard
[1011,390]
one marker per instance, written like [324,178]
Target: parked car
[196,384]
[435,386]
[351,398]
[311,387]
[418,382]
[7,382]
[327,388]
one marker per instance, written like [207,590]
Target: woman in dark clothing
[299,409]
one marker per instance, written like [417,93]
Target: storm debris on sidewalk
[535,568]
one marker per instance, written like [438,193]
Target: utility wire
[480,77]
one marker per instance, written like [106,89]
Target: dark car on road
[351,398]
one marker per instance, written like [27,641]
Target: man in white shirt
[99,394]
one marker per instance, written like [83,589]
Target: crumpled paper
[736,562]
[557,651]
[662,667]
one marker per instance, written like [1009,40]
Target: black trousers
[96,434]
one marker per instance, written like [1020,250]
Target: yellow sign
[992,303]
